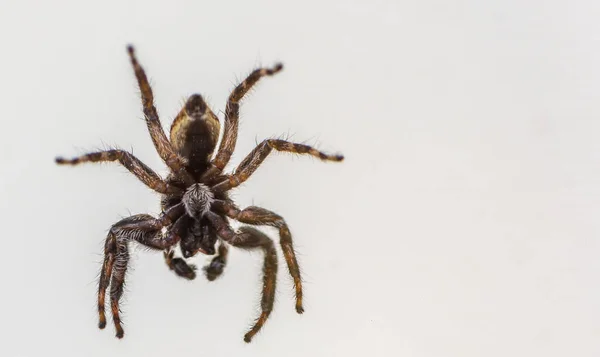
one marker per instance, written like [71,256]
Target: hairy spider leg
[131,163]
[144,229]
[258,216]
[159,138]
[232,114]
[256,157]
[110,250]
[251,238]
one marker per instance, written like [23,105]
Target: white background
[464,221]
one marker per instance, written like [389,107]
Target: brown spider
[195,204]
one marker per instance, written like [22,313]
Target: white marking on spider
[197,200]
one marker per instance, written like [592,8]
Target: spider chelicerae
[195,202]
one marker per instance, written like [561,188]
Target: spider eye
[195,106]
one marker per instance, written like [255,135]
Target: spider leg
[121,259]
[260,153]
[110,250]
[232,114]
[131,163]
[250,238]
[259,216]
[142,228]
[159,138]
[217,264]
[180,266]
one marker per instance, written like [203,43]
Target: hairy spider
[195,204]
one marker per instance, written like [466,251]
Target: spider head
[197,200]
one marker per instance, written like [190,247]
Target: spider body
[196,208]
[194,134]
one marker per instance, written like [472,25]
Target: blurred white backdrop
[462,223]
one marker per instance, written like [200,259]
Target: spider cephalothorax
[195,205]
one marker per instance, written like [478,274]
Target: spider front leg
[144,229]
[131,163]
[260,153]
[250,238]
[232,115]
[259,216]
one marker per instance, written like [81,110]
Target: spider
[196,208]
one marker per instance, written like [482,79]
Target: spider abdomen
[195,132]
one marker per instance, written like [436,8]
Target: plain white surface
[464,221]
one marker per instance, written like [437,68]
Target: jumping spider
[195,203]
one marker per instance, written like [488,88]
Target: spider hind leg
[232,115]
